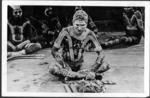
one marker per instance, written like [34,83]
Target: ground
[127,71]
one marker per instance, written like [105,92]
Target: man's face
[17,13]
[80,26]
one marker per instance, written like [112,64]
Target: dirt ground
[127,70]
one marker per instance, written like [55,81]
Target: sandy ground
[127,70]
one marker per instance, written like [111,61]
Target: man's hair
[80,15]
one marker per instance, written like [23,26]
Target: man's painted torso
[72,44]
[16,33]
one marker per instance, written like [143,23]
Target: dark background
[107,19]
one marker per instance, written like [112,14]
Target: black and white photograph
[75,48]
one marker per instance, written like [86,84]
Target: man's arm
[9,35]
[94,40]
[57,43]
[138,16]
[100,58]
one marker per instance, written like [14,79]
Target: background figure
[133,20]
[73,40]
[50,27]
[20,33]
[134,29]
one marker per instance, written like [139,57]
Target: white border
[145,4]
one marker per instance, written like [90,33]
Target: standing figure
[20,34]
[134,29]
[72,40]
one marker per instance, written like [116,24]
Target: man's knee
[54,68]
[9,49]
[103,68]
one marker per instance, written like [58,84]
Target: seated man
[133,21]
[72,40]
[134,29]
[19,34]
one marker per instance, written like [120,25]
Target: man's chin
[79,33]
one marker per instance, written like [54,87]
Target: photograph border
[75,3]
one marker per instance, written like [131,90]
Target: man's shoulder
[68,29]
[89,32]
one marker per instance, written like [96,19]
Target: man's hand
[58,56]
[90,76]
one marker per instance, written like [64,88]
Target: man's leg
[22,45]
[58,70]
[10,47]
[32,47]
[102,66]
[65,73]
[29,48]
[55,68]
[111,43]
[125,40]
[12,50]
[131,40]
